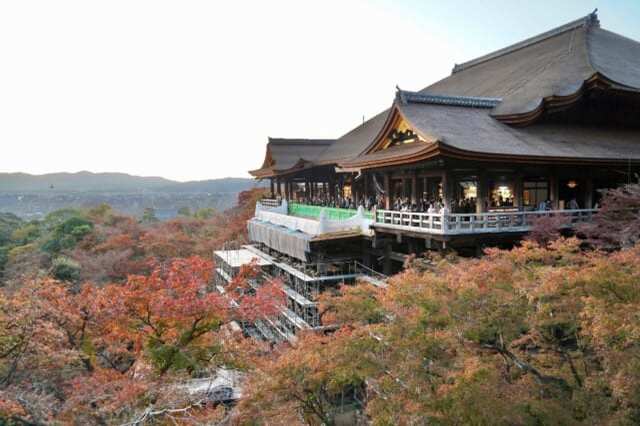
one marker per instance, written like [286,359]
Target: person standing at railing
[573,204]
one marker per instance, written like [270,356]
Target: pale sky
[192,89]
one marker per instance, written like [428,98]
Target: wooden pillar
[482,192]
[279,186]
[414,188]
[273,195]
[387,191]
[365,178]
[386,267]
[517,191]
[447,191]
[354,190]
[287,190]
[330,189]
[425,188]
[588,193]
[554,190]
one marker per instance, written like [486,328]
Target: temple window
[534,193]
[466,194]
[468,190]
[502,194]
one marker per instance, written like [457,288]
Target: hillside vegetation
[117,313]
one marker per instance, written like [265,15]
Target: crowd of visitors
[404,204]
[374,202]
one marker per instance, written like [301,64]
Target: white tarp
[308,226]
[287,241]
[278,216]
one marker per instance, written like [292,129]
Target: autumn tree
[533,335]
[617,223]
[101,353]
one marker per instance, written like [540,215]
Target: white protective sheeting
[357,222]
[308,226]
[287,241]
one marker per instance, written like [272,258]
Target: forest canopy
[101,315]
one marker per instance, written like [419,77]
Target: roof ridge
[301,141]
[590,20]
[405,96]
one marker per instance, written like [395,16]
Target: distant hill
[114,182]
[212,185]
[33,196]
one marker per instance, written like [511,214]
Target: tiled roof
[464,110]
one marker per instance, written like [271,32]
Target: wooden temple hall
[533,129]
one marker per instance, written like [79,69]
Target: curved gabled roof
[286,155]
[555,64]
[551,67]
[462,127]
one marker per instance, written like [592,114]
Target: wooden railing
[270,202]
[475,223]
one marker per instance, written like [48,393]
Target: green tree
[65,269]
[66,234]
[149,216]
[205,213]
[184,211]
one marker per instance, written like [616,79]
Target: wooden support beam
[588,193]
[425,188]
[332,190]
[517,190]
[386,267]
[387,191]
[447,192]
[414,189]
[554,190]
[365,178]
[482,193]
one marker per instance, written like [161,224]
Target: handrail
[270,202]
[474,223]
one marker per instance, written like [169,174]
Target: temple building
[532,130]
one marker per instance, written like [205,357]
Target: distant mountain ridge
[115,182]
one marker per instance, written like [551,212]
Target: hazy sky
[191,89]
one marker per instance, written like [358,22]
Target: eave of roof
[471,133]
[285,156]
